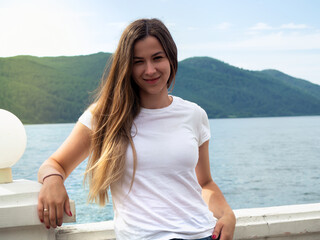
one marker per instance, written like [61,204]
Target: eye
[158,57]
[137,61]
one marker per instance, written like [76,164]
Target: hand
[52,201]
[225,227]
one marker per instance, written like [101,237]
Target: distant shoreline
[209,119]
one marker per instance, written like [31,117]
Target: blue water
[257,162]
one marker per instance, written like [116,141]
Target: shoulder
[188,105]
[92,107]
[87,117]
[196,117]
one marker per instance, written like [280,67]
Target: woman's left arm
[214,198]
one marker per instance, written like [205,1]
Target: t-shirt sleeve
[204,127]
[86,119]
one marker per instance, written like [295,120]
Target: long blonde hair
[117,105]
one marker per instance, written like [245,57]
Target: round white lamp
[13,141]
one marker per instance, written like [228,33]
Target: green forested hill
[57,89]
[49,89]
[227,91]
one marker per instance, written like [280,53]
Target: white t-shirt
[165,200]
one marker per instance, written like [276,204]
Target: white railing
[19,220]
[284,222]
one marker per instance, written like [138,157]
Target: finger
[67,207]
[59,211]
[52,216]
[217,230]
[45,212]
[40,210]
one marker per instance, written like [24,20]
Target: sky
[251,34]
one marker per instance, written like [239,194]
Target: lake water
[257,162]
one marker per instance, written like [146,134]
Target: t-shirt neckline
[159,110]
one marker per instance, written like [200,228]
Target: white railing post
[18,212]
[19,198]
[299,222]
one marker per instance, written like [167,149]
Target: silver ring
[45,211]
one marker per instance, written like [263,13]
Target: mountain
[227,91]
[49,89]
[58,89]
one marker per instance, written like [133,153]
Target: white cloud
[294,26]
[261,26]
[170,24]
[280,41]
[266,42]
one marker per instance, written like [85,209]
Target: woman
[149,148]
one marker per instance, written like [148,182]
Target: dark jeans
[206,238]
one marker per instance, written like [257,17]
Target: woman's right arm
[53,195]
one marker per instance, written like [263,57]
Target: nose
[150,68]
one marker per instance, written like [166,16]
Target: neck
[155,102]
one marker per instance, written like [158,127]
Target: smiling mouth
[152,80]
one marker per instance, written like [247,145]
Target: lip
[152,80]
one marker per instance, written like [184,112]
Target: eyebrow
[155,54]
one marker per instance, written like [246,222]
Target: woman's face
[151,68]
